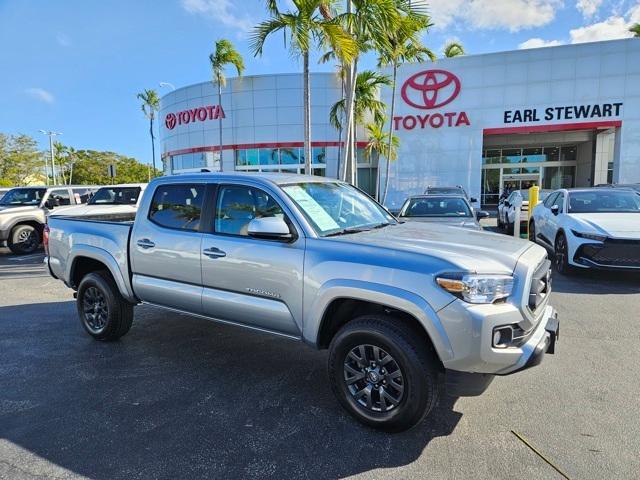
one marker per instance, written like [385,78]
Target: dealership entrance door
[550,160]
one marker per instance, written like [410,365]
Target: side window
[61,196]
[559,201]
[177,206]
[82,195]
[237,205]
[549,202]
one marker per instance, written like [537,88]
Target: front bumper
[612,254]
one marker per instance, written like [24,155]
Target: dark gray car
[448,209]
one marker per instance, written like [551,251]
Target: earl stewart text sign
[565,112]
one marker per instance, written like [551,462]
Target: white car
[507,209]
[111,199]
[589,228]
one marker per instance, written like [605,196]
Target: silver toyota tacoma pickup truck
[405,309]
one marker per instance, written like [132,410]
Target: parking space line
[537,452]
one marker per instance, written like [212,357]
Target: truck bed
[103,238]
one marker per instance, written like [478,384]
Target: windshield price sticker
[320,217]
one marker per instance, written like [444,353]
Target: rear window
[177,206]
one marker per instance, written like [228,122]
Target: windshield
[334,208]
[23,196]
[437,207]
[445,190]
[594,201]
[116,196]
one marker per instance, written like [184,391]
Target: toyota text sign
[192,115]
[430,90]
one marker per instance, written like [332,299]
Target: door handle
[214,252]
[145,243]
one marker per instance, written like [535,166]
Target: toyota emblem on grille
[430,89]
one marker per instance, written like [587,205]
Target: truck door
[251,281]
[165,248]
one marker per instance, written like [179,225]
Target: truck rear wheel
[23,239]
[103,312]
[382,373]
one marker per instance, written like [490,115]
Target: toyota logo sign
[170,121]
[430,89]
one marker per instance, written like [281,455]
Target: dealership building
[566,116]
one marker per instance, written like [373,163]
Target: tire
[409,381]
[510,228]
[23,239]
[561,255]
[103,312]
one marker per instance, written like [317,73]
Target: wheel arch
[339,304]
[87,259]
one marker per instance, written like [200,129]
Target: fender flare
[104,257]
[392,297]
[24,219]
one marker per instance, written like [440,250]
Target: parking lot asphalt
[182,397]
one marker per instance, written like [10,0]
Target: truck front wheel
[382,373]
[103,312]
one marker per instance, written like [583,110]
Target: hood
[466,222]
[618,225]
[17,208]
[84,210]
[465,248]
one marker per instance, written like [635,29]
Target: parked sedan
[450,209]
[589,228]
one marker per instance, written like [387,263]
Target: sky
[75,66]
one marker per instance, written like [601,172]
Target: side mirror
[506,204]
[270,228]
[480,214]
[555,209]
[473,200]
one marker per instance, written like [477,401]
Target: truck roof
[275,178]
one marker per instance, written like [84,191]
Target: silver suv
[400,306]
[23,212]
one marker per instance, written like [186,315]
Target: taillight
[45,239]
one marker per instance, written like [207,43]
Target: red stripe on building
[244,146]
[563,127]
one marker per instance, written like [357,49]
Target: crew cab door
[165,247]
[251,281]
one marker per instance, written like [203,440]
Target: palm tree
[403,46]
[453,49]
[377,145]
[224,54]
[366,100]
[150,105]
[635,29]
[305,26]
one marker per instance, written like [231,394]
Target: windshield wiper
[348,230]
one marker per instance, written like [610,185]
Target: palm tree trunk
[349,152]
[153,146]
[220,122]
[377,190]
[307,116]
[393,106]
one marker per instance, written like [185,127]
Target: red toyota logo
[430,89]
[170,121]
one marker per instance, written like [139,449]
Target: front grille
[540,285]
[611,253]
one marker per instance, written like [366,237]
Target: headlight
[476,288]
[590,236]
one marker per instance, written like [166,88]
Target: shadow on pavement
[597,282]
[181,397]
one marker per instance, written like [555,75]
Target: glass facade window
[552,154]
[568,153]
[558,177]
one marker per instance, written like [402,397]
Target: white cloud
[222,11]
[538,43]
[512,15]
[612,28]
[63,39]
[588,8]
[40,94]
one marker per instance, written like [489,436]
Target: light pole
[167,84]
[51,134]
